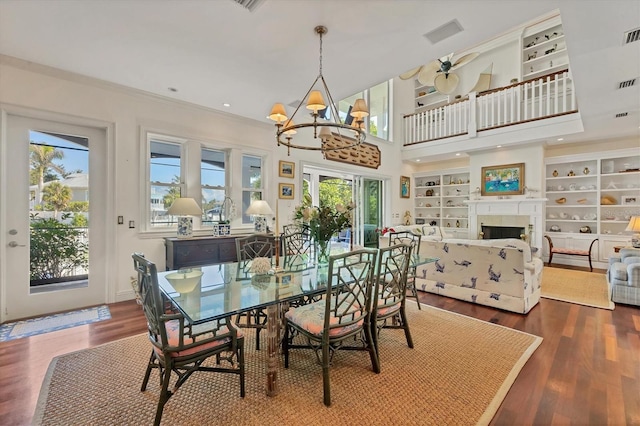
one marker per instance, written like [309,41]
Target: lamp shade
[360,109]
[259,207]
[634,224]
[315,102]
[325,133]
[184,207]
[278,113]
[289,123]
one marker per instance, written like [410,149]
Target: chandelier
[322,127]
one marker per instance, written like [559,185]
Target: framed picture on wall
[405,186]
[507,179]
[285,190]
[287,169]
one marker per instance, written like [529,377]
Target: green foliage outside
[174,192]
[42,164]
[56,197]
[78,206]
[56,249]
[79,220]
[335,191]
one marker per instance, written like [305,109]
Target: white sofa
[497,273]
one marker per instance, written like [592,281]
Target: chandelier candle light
[185,208]
[259,209]
[322,130]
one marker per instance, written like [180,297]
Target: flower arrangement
[323,222]
[384,230]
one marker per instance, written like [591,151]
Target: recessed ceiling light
[418,160]
[173,89]
[560,139]
[457,154]
[226,105]
[498,146]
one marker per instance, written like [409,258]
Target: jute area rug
[583,288]
[458,373]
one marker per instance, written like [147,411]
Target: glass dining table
[216,291]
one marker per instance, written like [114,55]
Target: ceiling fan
[438,73]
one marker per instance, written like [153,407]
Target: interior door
[20,298]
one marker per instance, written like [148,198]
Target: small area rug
[40,325]
[583,288]
[458,373]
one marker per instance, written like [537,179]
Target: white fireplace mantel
[531,207]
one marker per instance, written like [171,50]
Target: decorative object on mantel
[184,208]
[365,154]
[259,209]
[634,226]
[503,180]
[561,200]
[322,130]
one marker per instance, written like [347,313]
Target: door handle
[15,244]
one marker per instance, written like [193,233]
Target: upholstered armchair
[624,276]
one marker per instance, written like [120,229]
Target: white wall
[70,97]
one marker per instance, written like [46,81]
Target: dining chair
[390,292]
[341,319]
[180,347]
[408,237]
[296,249]
[247,249]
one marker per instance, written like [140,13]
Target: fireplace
[524,214]
[489,232]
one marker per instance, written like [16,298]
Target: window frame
[190,170]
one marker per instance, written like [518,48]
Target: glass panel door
[51,206]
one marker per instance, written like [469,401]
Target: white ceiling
[215,51]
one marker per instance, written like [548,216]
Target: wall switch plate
[132,224]
[120,220]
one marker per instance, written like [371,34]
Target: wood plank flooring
[585,372]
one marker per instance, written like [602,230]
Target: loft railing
[548,96]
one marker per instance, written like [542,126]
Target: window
[213,186]
[251,183]
[179,167]
[378,100]
[165,179]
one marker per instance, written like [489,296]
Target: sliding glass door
[369,197]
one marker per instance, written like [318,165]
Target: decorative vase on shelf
[555,173]
[586,171]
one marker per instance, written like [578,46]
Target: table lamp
[259,209]
[634,226]
[185,208]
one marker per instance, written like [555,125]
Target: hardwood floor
[585,372]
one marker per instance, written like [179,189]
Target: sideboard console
[198,251]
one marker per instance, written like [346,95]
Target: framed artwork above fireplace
[501,180]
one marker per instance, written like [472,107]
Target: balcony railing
[548,96]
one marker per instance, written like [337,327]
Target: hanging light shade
[278,113]
[318,98]
[360,109]
[315,103]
